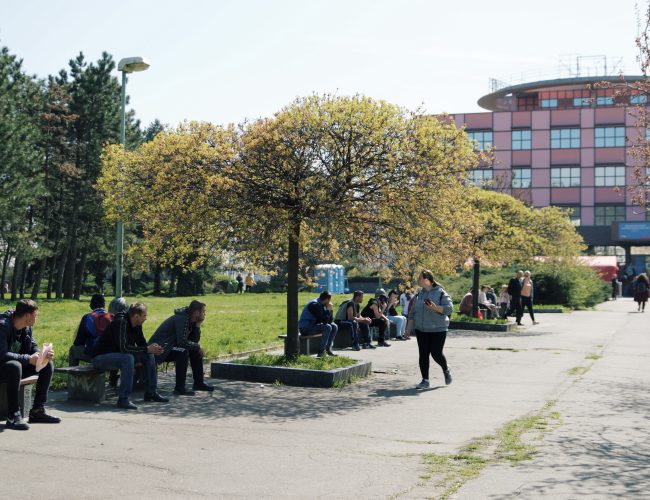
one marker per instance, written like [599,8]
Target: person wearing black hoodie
[179,336]
[18,356]
[121,346]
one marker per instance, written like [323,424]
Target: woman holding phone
[429,318]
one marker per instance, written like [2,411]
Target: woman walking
[641,291]
[429,318]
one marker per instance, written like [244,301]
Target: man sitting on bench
[121,346]
[316,318]
[92,325]
[348,316]
[18,357]
[179,335]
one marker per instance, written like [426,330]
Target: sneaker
[423,385]
[535,322]
[357,348]
[155,397]
[203,387]
[126,404]
[38,416]
[16,422]
[448,378]
[321,354]
[183,392]
[330,353]
[383,344]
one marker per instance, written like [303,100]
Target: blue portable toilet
[330,277]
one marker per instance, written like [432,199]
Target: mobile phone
[428,302]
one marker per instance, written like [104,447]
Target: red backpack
[102,320]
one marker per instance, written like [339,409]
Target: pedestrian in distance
[641,290]
[527,290]
[429,318]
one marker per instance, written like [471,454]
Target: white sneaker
[423,385]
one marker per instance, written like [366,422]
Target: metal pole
[119,233]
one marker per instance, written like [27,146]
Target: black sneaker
[38,416]
[383,344]
[184,392]
[203,387]
[448,378]
[126,404]
[321,354]
[330,353]
[155,397]
[357,348]
[370,346]
[16,422]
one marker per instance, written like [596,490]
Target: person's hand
[329,306]
[201,352]
[155,349]
[431,306]
[33,358]
[50,355]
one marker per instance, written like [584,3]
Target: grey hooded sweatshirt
[429,321]
[176,331]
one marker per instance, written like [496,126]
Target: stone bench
[309,344]
[85,383]
[24,396]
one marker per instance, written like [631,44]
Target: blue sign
[636,231]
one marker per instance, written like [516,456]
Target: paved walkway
[262,441]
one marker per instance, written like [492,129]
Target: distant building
[558,142]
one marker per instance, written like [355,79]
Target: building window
[606,214]
[565,177]
[548,103]
[521,139]
[610,176]
[564,138]
[521,178]
[638,99]
[581,101]
[605,101]
[572,212]
[482,138]
[481,177]
[609,137]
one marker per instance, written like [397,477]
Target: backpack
[641,286]
[102,320]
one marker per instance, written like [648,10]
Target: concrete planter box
[289,376]
[482,327]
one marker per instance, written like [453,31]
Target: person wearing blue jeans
[121,346]
[316,318]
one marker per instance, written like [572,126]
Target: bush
[574,285]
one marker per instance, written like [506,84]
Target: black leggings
[431,343]
[527,302]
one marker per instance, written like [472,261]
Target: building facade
[564,142]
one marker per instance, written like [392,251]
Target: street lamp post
[126,65]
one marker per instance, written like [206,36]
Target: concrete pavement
[367,440]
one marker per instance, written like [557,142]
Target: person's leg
[42,384]
[196,360]
[518,309]
[437,344]
[364,334]
[423,350]
[123,362]
[330,340]
[10,373]
[325,331]
[181,360]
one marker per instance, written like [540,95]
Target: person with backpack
[374,310]
[18,357]
[429,318]
[348,316]
[92,325]
[180,335]
[641,291]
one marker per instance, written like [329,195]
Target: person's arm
[5,353]
[446,305]
[349,312]
[318,311]
[182,325]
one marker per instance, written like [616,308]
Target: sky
[225,61]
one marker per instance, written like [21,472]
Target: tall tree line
[52,131]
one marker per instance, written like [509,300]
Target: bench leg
[87,387]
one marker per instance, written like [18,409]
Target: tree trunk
[71,264]
[50,275]
[16,278]
[5,262]
[475,285]
[81,269]
[292,346]
[172,283]
[38,278]
[23,279]
[157,279]
[59,272]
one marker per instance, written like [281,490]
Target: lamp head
[133,64]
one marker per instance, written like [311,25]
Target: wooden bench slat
[78,369]
[29,380]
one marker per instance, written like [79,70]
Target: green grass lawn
[234,323]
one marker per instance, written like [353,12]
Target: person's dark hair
[137,308]
[118,305]
[393,292]
[195,305]
[383,298]
[428,275]
[325,295]
[97,301]
[25,306]
[357,293]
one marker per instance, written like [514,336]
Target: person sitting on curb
[348,316]
[18,357]
[316,318]
[373,310]
[121,346]
[180,335]
[91,326]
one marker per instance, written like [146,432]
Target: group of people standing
[426,314]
